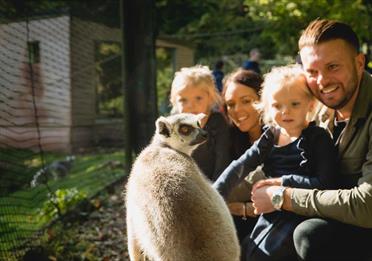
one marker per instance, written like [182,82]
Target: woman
[241,90]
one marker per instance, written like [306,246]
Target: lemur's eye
[185,129]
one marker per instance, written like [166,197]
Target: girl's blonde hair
[198,76]
[276,79]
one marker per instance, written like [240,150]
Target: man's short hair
[323,30]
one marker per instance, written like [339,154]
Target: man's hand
[267,182]
[261,198]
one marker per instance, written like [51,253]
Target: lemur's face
[191,134]
[181,131]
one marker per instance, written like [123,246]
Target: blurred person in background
[218,74]
[254,61]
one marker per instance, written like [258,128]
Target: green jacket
[353,205]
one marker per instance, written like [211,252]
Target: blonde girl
[193,91]
[286,102]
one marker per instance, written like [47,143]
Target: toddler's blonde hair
[197,76]
[276,79]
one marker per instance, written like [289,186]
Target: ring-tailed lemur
[56,170]
[173,213]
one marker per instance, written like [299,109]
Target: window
[33,48]
[109,99]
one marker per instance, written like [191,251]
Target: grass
[21,212]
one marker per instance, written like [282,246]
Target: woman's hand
[236,208]
[249,209]
[267,182]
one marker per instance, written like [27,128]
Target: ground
[94,235]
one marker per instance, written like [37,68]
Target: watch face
[277,199]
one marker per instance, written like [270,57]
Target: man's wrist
[287,199]
[277,197]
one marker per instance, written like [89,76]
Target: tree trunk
[139,70]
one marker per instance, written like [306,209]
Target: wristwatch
[277,198]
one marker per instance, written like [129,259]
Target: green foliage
[230,28]
[209,24]
[219,27]
[60,202]
[60,241]
[164,78]
[89,235]
[26,211]
[283,20]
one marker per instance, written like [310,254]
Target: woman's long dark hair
[253,80]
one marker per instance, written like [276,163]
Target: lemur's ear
[163,127]
[200,116]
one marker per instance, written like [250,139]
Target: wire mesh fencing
[61,126]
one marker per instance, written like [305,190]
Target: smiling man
[341,227]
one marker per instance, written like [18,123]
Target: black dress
[213,156]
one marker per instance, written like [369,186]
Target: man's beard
[350,91]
